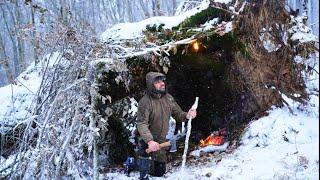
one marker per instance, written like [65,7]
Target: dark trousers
[147,165]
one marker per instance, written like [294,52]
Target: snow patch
[133,107]
[228,27]
[300,31]
[223,1]
[126,31]
[208,149]
[268,43]
[209,24]
[17,98]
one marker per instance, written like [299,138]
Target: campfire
[216,138]
[212,140]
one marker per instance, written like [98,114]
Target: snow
[209,24]
[210,148]
[300,31]
[310,10]
[5,164]
[223,1]
[17,98]
[266,39]
[303,37]
[132,111]
[133,107]
[135,30]
[228,27]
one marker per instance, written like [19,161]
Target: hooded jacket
[154,111]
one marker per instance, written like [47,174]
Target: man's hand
[153,146]
[192,113]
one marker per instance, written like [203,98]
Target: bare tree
[13,41]
[158,8]
[34,40]
[174,6]
[63,12]
[20,36]
[129,10]
[144,6]
[4,61]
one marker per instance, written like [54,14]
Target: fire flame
[212,140]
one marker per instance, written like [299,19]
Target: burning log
[212,140]
[216,141]
[217,138]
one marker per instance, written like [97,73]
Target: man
[154,111]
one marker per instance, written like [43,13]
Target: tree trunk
[93,12]
[34,39]
[129,10]
[63,12]
[158,8]
[121,16]
[174,6]
[110,12]
[144,8]
[154,11]
[95,159]
[4,62]
[18,23]
[13,41]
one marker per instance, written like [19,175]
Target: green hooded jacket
[154,111]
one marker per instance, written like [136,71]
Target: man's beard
[161,91]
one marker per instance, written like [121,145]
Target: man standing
[154,111]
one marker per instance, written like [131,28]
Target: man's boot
[157,168]
[144,167]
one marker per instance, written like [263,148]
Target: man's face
[160,85]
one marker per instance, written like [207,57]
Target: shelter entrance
[203,75]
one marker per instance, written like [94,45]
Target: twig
[24,86]
[12,101]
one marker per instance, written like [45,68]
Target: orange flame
[196,46]
[212,140]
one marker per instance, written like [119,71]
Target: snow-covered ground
[16,99]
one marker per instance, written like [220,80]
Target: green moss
[179,35]
[229,43]
[166,36]
[161,35]
[184,29]
[137,61]
[107,85]
[100,66]
[243,50]
[154,28]
[121,147]
[203,17]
